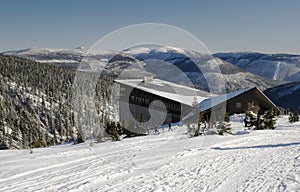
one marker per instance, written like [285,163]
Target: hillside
[69,58]
[194,65]
[265,160]
[104,61]
[137,62]
[286,96]
[36,103]
[274,66]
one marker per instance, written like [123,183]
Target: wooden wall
[135,102]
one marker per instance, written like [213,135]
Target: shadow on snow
[258,146]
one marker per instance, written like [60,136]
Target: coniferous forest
[36,108]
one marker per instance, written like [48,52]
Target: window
[147,101]
[238,105]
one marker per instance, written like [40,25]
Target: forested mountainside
[138,61]
[274,66]
[233,76]
[286,96]
[36,107]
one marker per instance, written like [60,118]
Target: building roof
[182,94]
[214,101]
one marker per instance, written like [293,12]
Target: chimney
[148,79]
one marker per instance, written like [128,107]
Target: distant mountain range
[239,70]
[137,62]
[235,78]
[278,67]
[69,58]
[274,66]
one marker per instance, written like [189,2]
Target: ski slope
[267,160]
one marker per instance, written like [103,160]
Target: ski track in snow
[267,160]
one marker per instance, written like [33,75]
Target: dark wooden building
[249,99]
[155,101]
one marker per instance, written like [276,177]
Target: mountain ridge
[280,66]
[135,59]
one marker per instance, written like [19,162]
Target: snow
[180,93]
[169,48]
[266,160]
[276,71]
[162,49]
[137,50]
[57,61]
[211,102]
[278,67]
[46,51]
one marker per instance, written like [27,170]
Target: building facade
[155,102]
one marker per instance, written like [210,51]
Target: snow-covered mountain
[184,60]
[61,57]
[167,63]
[274,66]
[286,96]
[111,62]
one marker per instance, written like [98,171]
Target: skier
[170,127]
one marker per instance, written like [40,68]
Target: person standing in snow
[170,127]
[156,129]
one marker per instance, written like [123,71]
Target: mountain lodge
[157,102]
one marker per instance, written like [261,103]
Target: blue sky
[270,26]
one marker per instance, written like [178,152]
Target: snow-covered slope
[266,160]
[286,96]
[61,57]
[111,62]
[274,66]
[184,60]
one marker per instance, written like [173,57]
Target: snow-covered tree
[260,121]
[294,116]
[223,124]
[269,120]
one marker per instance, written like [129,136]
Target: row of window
[141,100]
[173,107]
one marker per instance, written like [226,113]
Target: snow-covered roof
[211,102]
[182,94]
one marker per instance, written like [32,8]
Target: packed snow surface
[267,160]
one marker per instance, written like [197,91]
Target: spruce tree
[265,120]
[112,130]
[294,116]
[269,120]
[223,124]
[80,137]
[250,119]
